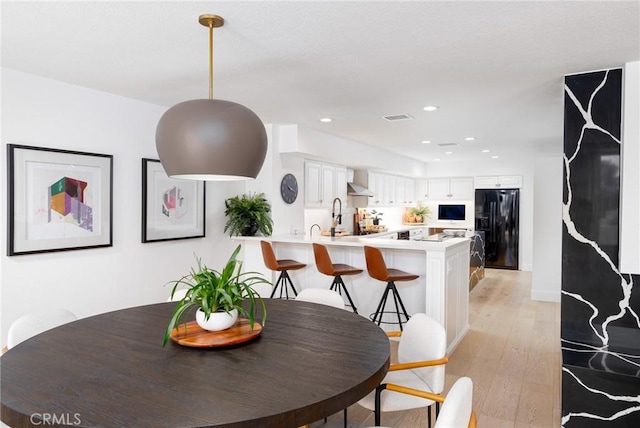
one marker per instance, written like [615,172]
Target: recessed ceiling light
[495,157]
[431,108]
[448,153]
[486,151]
[470,138]
[326,119]
[426,142]
[437,159]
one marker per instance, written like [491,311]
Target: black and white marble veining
[600,322]
[476,259]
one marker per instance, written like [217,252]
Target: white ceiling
[494,68]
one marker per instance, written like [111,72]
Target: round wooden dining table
[111,370]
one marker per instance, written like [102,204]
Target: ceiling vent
[397,117]
[446,144]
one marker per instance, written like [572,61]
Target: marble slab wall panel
[600,326]
[476,259]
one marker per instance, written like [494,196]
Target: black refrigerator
[497,215]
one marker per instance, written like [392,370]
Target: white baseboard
[545,296]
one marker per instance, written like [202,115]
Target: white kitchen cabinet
[459,188]
[421,189]
[405,191]
[324,183]
[391,190]
[498,181]
[378,187]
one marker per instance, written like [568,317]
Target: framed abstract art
[58,200]
[171,208]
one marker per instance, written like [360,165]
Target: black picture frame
[180,205]
[58,200]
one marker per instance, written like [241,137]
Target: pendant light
[211,139]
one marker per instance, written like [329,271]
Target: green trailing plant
[247,214]
[214,291]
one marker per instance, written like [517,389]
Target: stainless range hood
[354,189]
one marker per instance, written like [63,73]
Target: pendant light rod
[211,21]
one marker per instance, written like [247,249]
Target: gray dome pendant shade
[211,139]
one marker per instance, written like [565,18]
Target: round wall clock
[289,188]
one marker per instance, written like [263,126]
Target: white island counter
[441,291]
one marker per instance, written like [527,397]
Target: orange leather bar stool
[282,266]
[325,266]
[377,269]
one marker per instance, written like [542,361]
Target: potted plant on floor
[218,295]
[248,214]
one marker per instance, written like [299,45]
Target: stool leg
[340,285]
[278,284]
[295,292]
[397,299]
[382,304]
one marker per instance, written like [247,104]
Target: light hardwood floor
[512,354]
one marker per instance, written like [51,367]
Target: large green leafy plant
[246,214]
[212,290]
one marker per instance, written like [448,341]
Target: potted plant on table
[421,213]
[248,214]
[217,294]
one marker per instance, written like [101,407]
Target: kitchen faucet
[311,229]
[336,219]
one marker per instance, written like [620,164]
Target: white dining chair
[421,366]
[32,324]
[321,296]
[457,406]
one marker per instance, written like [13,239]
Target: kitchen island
[441,291]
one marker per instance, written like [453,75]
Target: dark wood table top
[111,370]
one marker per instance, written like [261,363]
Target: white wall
[629,195]
[547,228]
[47,113]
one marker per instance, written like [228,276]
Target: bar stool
[282,266]
[325,266]
[377,269]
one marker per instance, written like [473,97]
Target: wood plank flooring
[512,354]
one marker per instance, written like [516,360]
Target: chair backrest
[323,260]
[268,255]
[321,296]
[32,324]
[376,267]
[424,338]
[457,407]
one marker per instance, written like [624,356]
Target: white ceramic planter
[217,321]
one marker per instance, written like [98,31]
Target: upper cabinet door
[313,184]
[341,184]
[328,184]
[461,188]
[498,181]
[438,188]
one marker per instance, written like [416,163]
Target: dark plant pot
[250,229]
[376,221]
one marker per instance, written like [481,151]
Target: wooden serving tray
[192,335]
